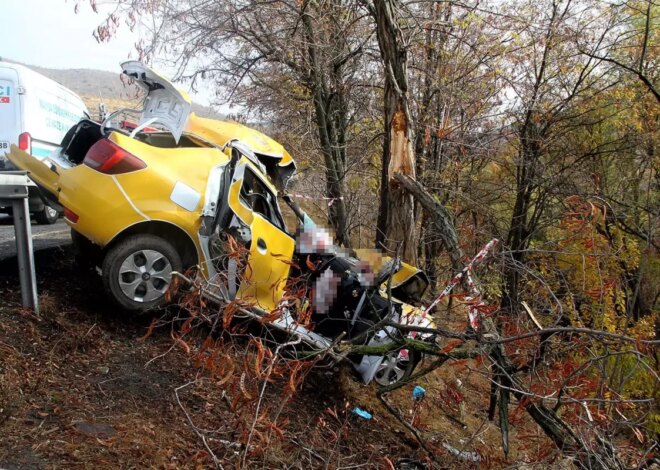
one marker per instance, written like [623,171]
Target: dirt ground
[81,388]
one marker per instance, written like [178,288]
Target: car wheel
[397,366]
[138,271]
[47,216]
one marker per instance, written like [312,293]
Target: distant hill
[90,82]
[95,86]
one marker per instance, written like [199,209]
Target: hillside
[96,86]
[83,385]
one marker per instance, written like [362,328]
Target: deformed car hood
[165,105]
[278,162]
[169,107]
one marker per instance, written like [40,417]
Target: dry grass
[79,388]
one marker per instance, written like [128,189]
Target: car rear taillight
[25,142]
[70,215]
[107,157]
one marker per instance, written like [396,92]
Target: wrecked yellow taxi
[176,190]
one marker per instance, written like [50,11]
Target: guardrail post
[14,190]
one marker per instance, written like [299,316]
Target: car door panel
[271,248]
[268,264]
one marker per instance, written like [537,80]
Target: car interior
[257,196]
[80,138]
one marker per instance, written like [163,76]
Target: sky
[48,33]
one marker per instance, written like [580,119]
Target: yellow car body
[149,202]
[168,194]
[106,207]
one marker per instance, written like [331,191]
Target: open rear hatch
[165,105]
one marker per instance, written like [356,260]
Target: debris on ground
[362,413]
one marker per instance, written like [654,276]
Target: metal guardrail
[14,192]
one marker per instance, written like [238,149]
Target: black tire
[47,216]
[122,262]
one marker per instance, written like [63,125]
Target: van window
[256,195]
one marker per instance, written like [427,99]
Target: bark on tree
[331,122]
[530,136]
[396,221]
[439,215]
[427,148]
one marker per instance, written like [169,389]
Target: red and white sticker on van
[5,94]
[8,118]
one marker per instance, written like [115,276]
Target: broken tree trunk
[442,219]
[396,222]
[401,221]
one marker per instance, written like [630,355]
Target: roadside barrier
[14,192]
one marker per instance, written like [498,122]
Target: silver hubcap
[50,211]
[391,370]
[145,275]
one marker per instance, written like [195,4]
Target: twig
[311,451]
[216,461]
[408,426]
[531,315]
[159,356]
[261,394]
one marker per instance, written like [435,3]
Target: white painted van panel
[43,107]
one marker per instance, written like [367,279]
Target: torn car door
[253,200]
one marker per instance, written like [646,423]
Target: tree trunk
[522,225]
[331,125]
[401,210]
[442,219]
[396,222]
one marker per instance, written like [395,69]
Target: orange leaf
[451,345]
[150,330]
[181,343]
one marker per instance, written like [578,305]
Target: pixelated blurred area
[315,240]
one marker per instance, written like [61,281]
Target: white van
[35,114]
